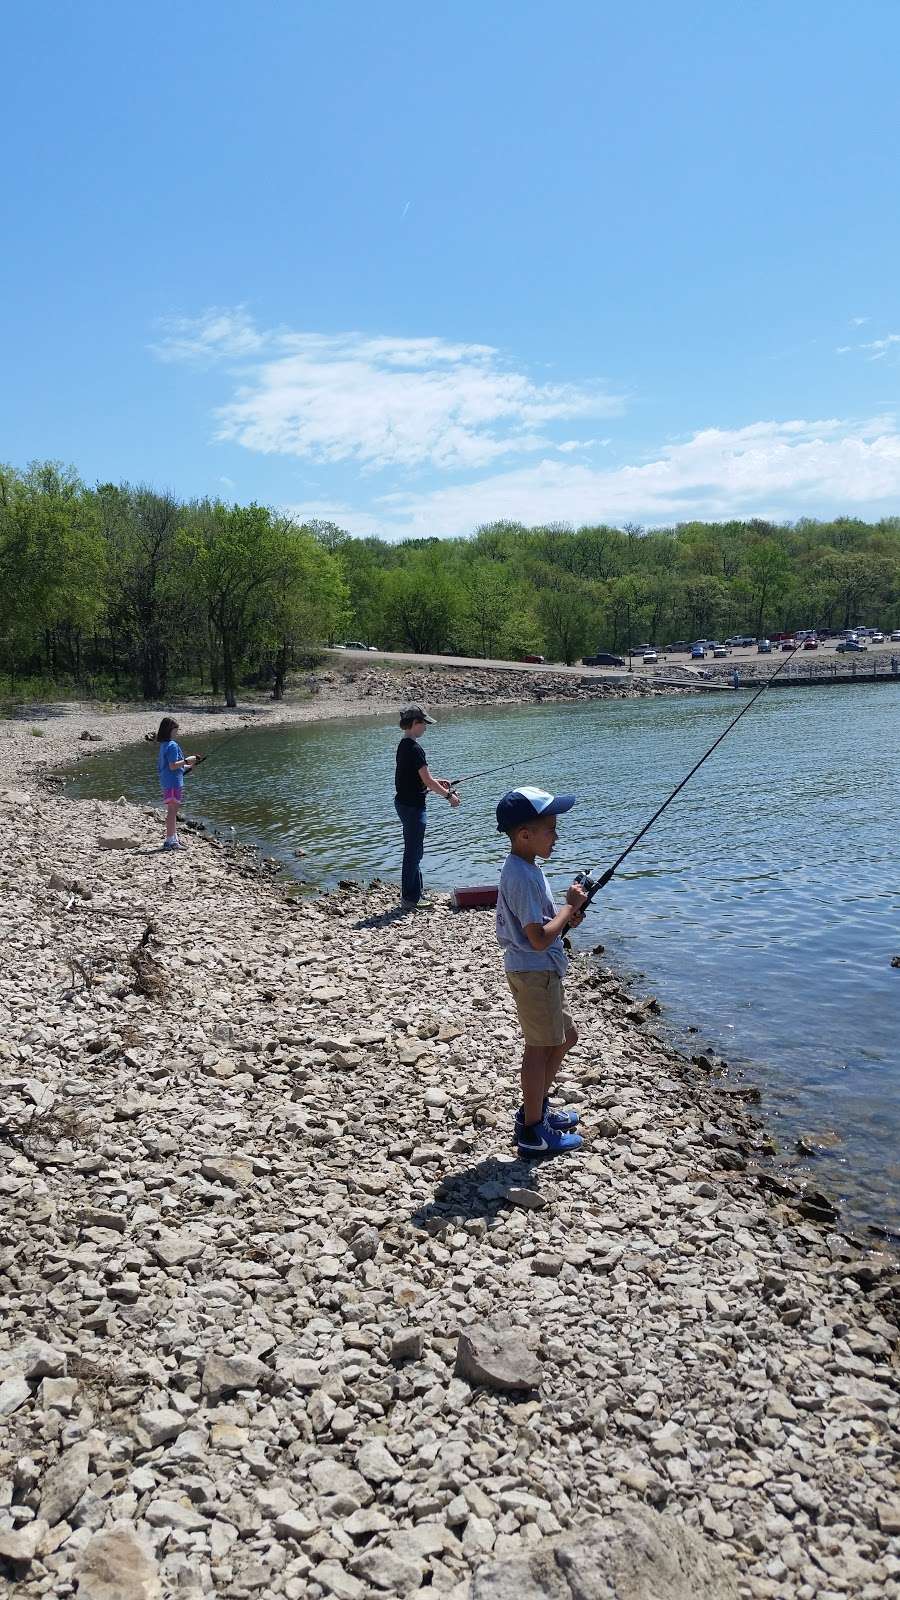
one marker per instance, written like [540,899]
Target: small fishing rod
[150,738]
[503,767]
[222,743]
[595,880]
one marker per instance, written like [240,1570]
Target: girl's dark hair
[165,730]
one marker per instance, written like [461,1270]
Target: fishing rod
[222,743]
[150,738]
[503,767]
[595,880]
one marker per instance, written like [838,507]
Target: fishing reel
[586,882]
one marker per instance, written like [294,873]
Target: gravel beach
[283,1314]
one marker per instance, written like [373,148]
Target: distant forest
[121,589]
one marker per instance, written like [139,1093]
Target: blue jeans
[413,820]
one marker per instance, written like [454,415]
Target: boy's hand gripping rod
[595,880]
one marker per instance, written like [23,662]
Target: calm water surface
[762,908]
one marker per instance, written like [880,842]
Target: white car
[877,637]
[895,635]
[649,657]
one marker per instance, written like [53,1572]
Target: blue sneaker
[542,1140]
[561,1121]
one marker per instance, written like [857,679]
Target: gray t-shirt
[525,897]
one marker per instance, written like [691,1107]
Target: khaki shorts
[543,1018]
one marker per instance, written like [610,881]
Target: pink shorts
[173,796]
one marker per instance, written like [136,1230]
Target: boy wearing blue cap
[529,932]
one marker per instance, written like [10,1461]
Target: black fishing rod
[595,880]
[222,743]
[504,766]
[150,738]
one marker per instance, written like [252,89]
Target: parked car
[895,635]
[371,647]
[810,642]
[719,651]
[650,656]
[851,644]
[602,659]
[353,644]
[788,644]
[679,648]
[877,637]
[536,661]
[763,647]
[698,652]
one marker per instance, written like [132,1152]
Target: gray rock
[33,1358]
[376,1463]
[180,1514]
[638,1555]
[118,841]
[173,1249]
[64,1484]
[227,1374]
[525,1199]
[337,1581]
[23,1544]
[498,1357]
[888,1513]
[386,1569]
[408,1345]
[231,1171]
[332,1477]
[13,1394]
[154,1428]
[116,1565]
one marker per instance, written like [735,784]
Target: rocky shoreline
[282,1313]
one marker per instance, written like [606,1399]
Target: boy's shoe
[542,1140]
[562,1121]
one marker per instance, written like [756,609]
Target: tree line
[125,587]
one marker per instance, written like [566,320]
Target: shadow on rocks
[383,919]
[480,1192]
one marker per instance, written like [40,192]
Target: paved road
[683,663]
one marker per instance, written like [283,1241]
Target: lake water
[762,909]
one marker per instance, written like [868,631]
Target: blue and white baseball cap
[519,806]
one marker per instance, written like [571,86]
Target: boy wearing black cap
[529,932]
[412,782]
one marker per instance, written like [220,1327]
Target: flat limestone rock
[33,1358]
[497,1357]
[638,1555]
[173,1249]
[118,841]
[227,1374]
[230,1170]
[117,1566]
[64,1484]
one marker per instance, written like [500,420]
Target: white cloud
[377,401]
[208,338]
[881,346]
[878,348]
[766,469]
[857,322]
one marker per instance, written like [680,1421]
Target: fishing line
[595,880]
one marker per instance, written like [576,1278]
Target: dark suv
[602,659]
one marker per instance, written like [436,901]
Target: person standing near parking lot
[412,782]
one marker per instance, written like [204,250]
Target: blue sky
[415,267]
